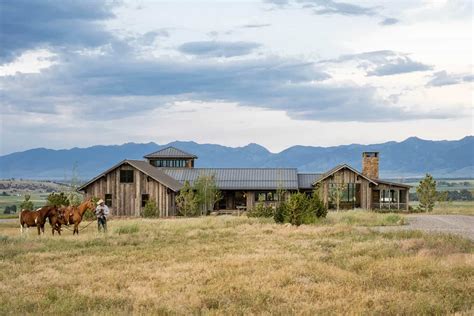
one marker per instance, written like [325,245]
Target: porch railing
[389,206]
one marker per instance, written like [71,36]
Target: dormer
[171,157]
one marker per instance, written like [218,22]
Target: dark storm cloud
[31,24]
[383,63]
[443,78]
[218,49]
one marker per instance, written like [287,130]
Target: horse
[74,214]
[36,218]
[57,219]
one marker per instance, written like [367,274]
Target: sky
[276,72]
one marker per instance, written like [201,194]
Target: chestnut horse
[36,218]
[74,214]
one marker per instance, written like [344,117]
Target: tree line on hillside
[446,196]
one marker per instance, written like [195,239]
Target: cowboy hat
[100,202]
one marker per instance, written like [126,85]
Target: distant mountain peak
[412,157]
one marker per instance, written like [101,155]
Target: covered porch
[390,197]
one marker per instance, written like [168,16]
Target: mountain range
[412,157]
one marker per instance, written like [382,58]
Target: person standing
[102,211]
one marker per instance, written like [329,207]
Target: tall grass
[229,265]
[364,218]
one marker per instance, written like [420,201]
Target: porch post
[407,192]
[398,199]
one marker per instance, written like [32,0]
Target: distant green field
[12,192]
[38,199]
[447,184]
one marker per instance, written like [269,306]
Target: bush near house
[427,194]
[261,210]
[150,210]
[298,209]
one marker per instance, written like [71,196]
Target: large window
[108,200]
[266,196]
[166,163]
[145,198]
[348,192]
[126,176]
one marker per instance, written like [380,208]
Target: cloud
[389,21]
[329,7]
[399,65]
[26,25]
[114,86]
[382,63]
[443,78]
[149,37]
[218,49]
[256,25]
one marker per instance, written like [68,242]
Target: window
[108,200]
[348,192]
[166,163]
[145,198]
[126,176]
[266,196]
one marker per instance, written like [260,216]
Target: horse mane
[84,206]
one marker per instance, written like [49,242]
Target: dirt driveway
[453,224]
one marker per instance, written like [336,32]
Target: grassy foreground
[222,265]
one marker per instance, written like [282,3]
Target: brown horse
[36,218]
[57,219]
[74,214]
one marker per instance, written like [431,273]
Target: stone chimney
[370,164]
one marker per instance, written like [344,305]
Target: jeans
[102,222]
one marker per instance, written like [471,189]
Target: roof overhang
[338,168]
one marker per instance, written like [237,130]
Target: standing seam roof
[240,178]
[170,152]
[306,180]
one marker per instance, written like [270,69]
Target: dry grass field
[237,265]
[454,208]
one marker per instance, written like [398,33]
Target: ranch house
[127,186]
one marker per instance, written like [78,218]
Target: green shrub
[317,205]
[10,209]
[280,212]
[301,209]
[57,199]
[427,194]
[89,215]
[127,229]
[187,201]
[297,210]
[150,210]
[26,204]
[261,210]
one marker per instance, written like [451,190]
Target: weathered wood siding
[127,197]
[348,176]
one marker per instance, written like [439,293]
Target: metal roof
[393,183]
[240,178]
[306,180]
[170,152]
[144,167]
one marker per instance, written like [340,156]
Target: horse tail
[21,224]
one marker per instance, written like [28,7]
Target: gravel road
[453,224]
